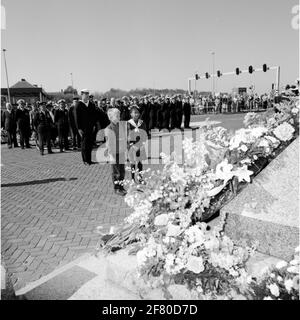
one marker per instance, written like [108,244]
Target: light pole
[213,77]
[71,74]
[8,92]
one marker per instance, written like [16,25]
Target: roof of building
[22,84]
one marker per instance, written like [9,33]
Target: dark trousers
[44,135]
[118,171]
[24,137]
[187,118]
[87,146]
[12,138]
[53,134]
[179,120]
[63,137]
[160,119]
[75,138]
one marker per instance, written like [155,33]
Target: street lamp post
[8,92]
[72,83]
[213,78]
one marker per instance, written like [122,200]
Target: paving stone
[42,220]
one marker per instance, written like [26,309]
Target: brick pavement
[50,208]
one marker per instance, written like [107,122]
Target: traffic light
[250,69]
[206,75]
[265,68]
[196,76]
[219,74]
[237,71]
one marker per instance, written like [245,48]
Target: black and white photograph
[150,152]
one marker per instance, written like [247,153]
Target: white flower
[295,110]
[173,231]
[243,147]
[258,131]
[255,157]
[284,132]
[273,140]
[293,269]
[288,284]
[156,194]
[233,272]
[279,278]
[224,170]
[263,143]
[294,262]
[161,220]
[281,264]
[274,289]
[246,161]
[212,243]
[195,264]
[243,173]
[268,298]
[141,257]
[297,249]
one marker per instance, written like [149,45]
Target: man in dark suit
[173,113]
[159,113]
[179,112]
[23,124]
[43,123]
[152,114]
[74,131]
[86,120]
[145,111]
[10,125]
[187,113]
[166,113]
[61,119]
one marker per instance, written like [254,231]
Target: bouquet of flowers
[172,243]
[280,282]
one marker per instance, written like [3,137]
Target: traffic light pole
[277,68]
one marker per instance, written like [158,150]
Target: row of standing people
[46,123]
[157,112]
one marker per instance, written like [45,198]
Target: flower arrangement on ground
[173,244]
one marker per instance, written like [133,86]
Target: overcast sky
[131,44]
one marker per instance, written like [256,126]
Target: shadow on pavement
[33,182]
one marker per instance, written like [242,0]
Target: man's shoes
[42,153]
[50,151]
[61,150]
[85,163]
[22,147]
[120,192]
[74,148]
[28,147]
[9,147]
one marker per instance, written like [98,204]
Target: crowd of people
[53,124]
[233,103]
